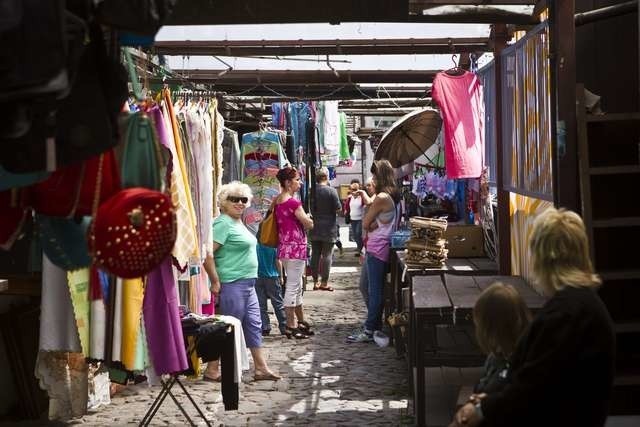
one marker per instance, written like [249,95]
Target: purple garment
[158,119]
[162,321]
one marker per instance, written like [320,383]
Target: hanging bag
[268,229]
[141,158]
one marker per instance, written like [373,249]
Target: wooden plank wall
[607,58]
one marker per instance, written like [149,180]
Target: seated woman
[562,369]
[233,269]
[500,317]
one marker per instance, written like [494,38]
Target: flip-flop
[269,376]
[326,288]
[316,287]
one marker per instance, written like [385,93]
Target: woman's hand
[215,286]
[210,268]
[304,218]
[466,416]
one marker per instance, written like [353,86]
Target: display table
[441,327]
[401,274]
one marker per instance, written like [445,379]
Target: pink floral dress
[292,238]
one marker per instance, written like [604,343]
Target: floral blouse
[292,238]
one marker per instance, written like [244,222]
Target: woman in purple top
[292,222]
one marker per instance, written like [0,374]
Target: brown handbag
[268,230]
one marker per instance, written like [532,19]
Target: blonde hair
[560,252]
[234,188]
[500,316]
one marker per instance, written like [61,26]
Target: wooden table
[440,309]
[401,274]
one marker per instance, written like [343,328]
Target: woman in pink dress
[292,222]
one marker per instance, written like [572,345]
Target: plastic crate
[399,238]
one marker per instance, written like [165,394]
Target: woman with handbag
[233,270]
[292,222]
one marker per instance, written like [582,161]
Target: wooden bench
[441,325]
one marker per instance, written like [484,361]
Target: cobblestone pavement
[325,380]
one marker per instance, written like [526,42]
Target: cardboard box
[464,240]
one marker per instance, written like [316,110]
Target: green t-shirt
[236,258]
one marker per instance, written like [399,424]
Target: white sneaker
[380,339]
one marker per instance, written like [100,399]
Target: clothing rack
[211,93]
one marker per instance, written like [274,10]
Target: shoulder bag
[268,229]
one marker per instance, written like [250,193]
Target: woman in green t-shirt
[233,270]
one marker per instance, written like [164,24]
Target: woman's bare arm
[304,219]
[210,267]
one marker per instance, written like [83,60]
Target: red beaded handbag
[133,232]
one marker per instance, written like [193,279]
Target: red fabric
[70,190]
[462,108]
[133,232]
[346,207]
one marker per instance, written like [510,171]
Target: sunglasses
[236,199]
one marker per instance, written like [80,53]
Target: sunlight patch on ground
[344,270]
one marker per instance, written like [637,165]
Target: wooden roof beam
[248,78]
[242,48]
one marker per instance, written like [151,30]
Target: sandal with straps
[305,328]
[295,333]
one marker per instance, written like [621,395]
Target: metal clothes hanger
[455,70]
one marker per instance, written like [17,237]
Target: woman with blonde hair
[292,222]
[232,267]
[562,369]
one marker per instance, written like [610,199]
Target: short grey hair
[235,188]
[322,174]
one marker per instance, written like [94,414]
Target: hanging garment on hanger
[132,296]
[162,321]
[186,242]
[230,156]
[261,158]
[461,106]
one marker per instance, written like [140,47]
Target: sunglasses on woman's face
[236,199]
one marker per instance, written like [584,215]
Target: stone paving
[325,380]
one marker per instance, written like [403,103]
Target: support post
[499,37]
[563,103]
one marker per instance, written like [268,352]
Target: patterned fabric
[261,158]
[293,240]
[186,243]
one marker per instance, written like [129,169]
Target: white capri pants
[294,269]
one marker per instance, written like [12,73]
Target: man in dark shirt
[324,207]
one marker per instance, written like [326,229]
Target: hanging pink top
[292,238]
[462,109]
